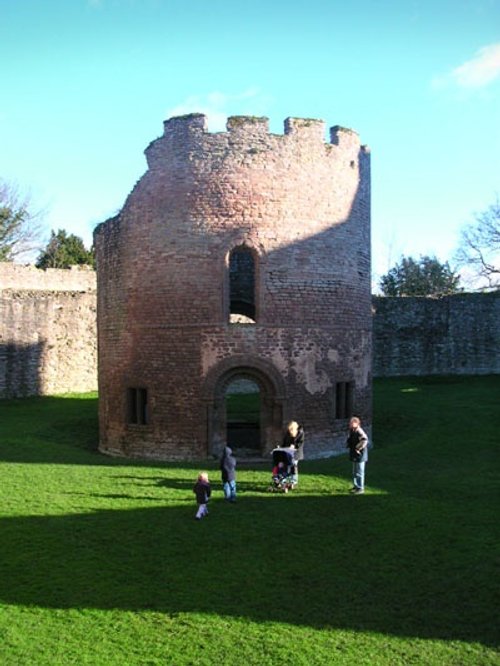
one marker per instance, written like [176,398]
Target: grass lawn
[102,562]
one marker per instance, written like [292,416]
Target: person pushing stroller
[293,440]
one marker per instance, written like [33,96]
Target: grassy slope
[102,562]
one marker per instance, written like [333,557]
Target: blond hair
[203,476]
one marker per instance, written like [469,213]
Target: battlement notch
[310,128]
[191,123]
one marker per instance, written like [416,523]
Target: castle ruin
[239,264]
[47,330]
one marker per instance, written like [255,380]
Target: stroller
[283,478]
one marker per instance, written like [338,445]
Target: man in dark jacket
[357,443]
[228,474]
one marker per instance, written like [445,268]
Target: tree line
[478,250]
[21,232]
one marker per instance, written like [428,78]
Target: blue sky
[86,85]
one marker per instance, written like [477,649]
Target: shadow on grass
[417,561]
[59,429]
[187,484]
[298,560]
[64,430]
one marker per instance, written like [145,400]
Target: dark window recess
[344,392]
[242,283]
[137,406]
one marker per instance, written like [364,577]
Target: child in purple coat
[202,491]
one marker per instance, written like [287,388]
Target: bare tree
[479,246]
[21,230]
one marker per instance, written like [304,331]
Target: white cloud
[217,106]
[477,72]
[481,70]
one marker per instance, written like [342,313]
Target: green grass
[102,562]
[243,407]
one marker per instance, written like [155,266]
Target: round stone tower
[234,292]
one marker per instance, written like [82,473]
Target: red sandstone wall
[303,207]
[47,331]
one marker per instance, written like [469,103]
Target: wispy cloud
[217,106]
[481,70]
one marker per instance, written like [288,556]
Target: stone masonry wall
[48,339]
[457,334]
[301,207]
[47,319]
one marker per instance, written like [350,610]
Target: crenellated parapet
[195,124]
[185,134]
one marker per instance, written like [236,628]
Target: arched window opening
[242,397]
[242,286]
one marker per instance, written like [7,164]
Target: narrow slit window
[242,286]
[344,393]
[137,406]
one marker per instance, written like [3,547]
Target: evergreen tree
[423,277]
[64,250]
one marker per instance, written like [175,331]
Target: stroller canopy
[282,455]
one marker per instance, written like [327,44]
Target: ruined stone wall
[302,208]
[30,278]
[457,334]
[48,335]
[48,341]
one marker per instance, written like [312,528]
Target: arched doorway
[243,415]
[252,421]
